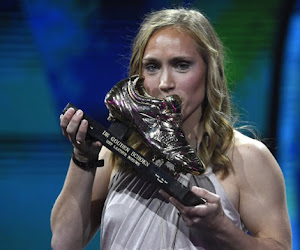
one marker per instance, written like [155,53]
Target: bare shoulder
[252,155]
[248,145]
[253,163]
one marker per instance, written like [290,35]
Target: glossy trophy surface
[158,121]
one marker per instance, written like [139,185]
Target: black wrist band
[87,165]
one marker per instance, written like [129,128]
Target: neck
[192,129]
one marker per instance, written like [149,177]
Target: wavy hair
[217,133]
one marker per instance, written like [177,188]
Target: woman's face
[172,65]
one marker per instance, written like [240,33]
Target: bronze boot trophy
[157,121]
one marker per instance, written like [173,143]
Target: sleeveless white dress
[135,215]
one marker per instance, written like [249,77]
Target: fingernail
[84,122]
[79,112]
[70,110]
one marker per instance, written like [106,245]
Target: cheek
[151,87]
[194,93]
[195,86]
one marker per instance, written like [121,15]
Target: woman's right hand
[75,129]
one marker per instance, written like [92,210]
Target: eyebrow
[172,60]
[149,59]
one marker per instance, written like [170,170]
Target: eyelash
[181,66]
[151,67]
[185,65]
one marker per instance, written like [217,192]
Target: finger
[178,205]
[81,133]
[205,194]
[188,222]
[171,199]
[97,144]
[164,194]
[73,125]
[65,119]
[63,129]
[181,208]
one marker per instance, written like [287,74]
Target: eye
[151,68]
[183,66]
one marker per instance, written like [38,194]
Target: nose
[166,82]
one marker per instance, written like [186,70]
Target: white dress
[135,215]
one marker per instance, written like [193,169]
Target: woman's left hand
[207,216]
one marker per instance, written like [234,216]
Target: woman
[178,53]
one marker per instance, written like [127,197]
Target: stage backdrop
[55,52]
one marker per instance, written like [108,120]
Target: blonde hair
[217,134]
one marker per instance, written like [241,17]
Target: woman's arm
[262,205]
[76,214]
[75,206]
